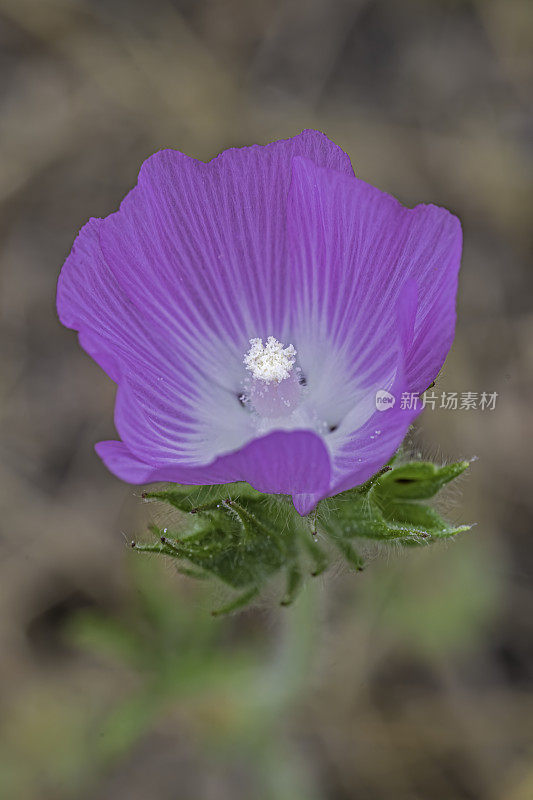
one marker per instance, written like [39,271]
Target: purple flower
[249,310]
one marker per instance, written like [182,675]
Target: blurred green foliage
[232,693]
[234,696]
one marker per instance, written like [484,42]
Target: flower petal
[374,306]
[359,453]
[167,291]
[281,462]
[366,441]
[201,248]
[167,407]
[122,463]
[352,250]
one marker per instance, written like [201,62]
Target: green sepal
[243,538]
[423,521]
[240,537]
[365,520]
[235,546]
[418,480]
[194,499]
[388,509]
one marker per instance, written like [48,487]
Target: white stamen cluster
[270,363]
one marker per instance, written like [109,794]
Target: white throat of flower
[271,363]
[277,393]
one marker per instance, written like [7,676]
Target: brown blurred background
[411,681]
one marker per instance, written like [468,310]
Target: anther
[269,363]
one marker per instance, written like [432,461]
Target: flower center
[274,389]
[271,363]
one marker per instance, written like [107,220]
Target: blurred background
[411,681]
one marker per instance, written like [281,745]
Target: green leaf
[418,480]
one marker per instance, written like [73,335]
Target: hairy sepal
[242,537]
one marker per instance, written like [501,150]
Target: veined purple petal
[368,277]
[353,248]
[214,235]
[281,462]
[167,292]
[369,437]
[167,407]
